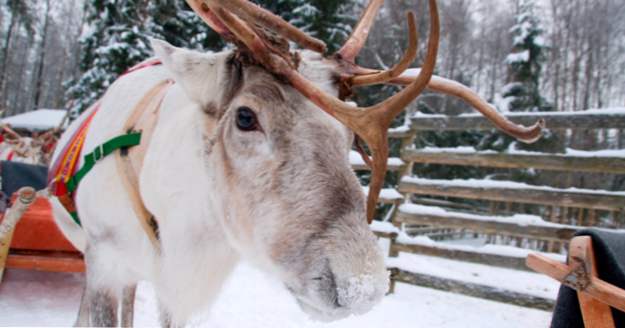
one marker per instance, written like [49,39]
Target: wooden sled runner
[595,295]
[29,238]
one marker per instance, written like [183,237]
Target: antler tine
[254,13]
[358,38]
[453,88]
[48,134]
[369,123]
[203,10]
[409,56]
[394,105]
[244,34]
[6,128]
[372,123]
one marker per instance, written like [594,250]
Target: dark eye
[246,119]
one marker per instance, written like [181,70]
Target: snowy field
[251,299]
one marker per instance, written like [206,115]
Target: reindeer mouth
[326,307]
[317,313]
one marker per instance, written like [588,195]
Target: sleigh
[30,239]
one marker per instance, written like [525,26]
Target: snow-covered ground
[251,299]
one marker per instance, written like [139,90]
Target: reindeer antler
[231,19]
[356,41]
[5,128]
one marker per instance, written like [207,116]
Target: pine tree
[23,16]
[174,22]
[114,42]
[324,19]
[118,32]
[522,93]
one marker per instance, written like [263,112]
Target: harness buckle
[98,153]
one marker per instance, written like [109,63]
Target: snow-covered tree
[114,41]
[324,19]
[118,29]
[522,93]
[175,22]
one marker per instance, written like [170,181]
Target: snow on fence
[519,225]
[413,228]
[612,118]
[505,191]
[517,160]
[472,289]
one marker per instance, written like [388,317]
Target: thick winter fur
[283,196]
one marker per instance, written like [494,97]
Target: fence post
[392,252]
[391,286]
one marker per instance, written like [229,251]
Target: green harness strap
[130,139]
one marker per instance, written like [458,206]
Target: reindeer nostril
[327,287]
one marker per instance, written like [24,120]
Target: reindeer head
[32,150]
[281,137]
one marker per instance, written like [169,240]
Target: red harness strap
[66,165]
[147,63]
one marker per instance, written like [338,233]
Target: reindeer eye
[246,119]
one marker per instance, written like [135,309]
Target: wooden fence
[436,208]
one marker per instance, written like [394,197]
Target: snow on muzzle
[350,279]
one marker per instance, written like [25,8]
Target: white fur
[202,233]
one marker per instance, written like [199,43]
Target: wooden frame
[53,260]
[26,197]
[595,295]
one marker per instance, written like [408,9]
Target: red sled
[38,244]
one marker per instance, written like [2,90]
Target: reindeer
[37,149]
[248,160]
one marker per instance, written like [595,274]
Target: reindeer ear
[197,73]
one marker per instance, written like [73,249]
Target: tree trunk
[42,57]
[5,60]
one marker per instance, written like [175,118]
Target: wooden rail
[472,289]
[557,120]
[388,196]
[486,224]
[527,195]
[433,219]
[395,134]
[502,261]
[394,165]
[46,261]
[568,163]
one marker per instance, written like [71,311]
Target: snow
[379,226]
[356,159]
[400,129]
[501,250]
[38,120]
[519,219]
[386,193]
[518,57]
[606,153]
[616,111]
[508,279]
[252,299]
[596,153]
[507,89]
[494,184]
[503,104]
[455,150]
